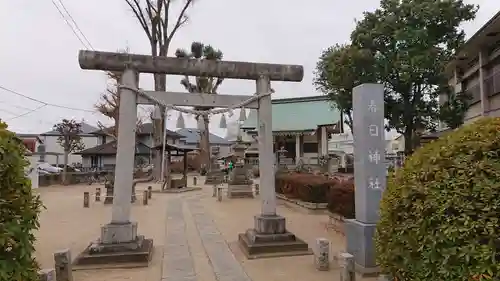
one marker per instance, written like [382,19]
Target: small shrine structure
[172,150]
[301,126]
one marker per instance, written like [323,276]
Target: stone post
[322,254]
[214,190]
[150,192]
[86,199]
[195,181]
[219,194]
[62,260]
[47,274]
[124,172]
[266,155]
[369,174]
[346,262]
[145,195]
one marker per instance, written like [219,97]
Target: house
[191,138]
[342,145]
[50,140]
[103,155]
[301,126]
[476,70]
[30,141]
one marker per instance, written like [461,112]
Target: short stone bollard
[47,274]
[86,199]
[322,254]
[62,260]
[257,189]
[346,262]
[150,192]
[214,193]
[195,181]
[219,194]
[98,194]
[145,197]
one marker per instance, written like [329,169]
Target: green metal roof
[298,114]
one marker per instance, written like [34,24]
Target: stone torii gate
[269,236]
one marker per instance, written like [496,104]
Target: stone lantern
[239,184]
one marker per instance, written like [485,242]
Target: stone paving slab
[178,264]
[225,265]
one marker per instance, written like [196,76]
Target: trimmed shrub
[341,198]
[306,187]
[439,216]
[19,211]
[337,192]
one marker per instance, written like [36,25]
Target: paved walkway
[195,237]
[201,234]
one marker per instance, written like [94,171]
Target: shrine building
[301,126]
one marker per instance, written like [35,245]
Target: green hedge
[19,211]
[440,213]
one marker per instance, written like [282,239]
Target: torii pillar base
[269,238]
[118,247]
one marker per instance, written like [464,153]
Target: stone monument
[369,174]
[215,175]
[239,184]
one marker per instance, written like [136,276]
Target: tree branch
[181,19]
[136,9]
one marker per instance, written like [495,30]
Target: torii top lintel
[109,61]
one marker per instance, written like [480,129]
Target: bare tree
[205,85]
[109,105]
[160,28]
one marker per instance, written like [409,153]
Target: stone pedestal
[214,177]
[270,238]
[361,245]
[119,244]
[239,185]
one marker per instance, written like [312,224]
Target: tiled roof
[144,129]
[86,130]
[192,136]
[110,149]
[298,114]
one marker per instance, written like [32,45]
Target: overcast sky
[38,51]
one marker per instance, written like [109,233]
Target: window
[214,149]
[310,147]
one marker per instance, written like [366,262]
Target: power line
[45,103]
[7,111]
[26,113]
[76,25]
[69,24]
[16,106]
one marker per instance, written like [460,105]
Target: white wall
[344,142]
[51,145]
